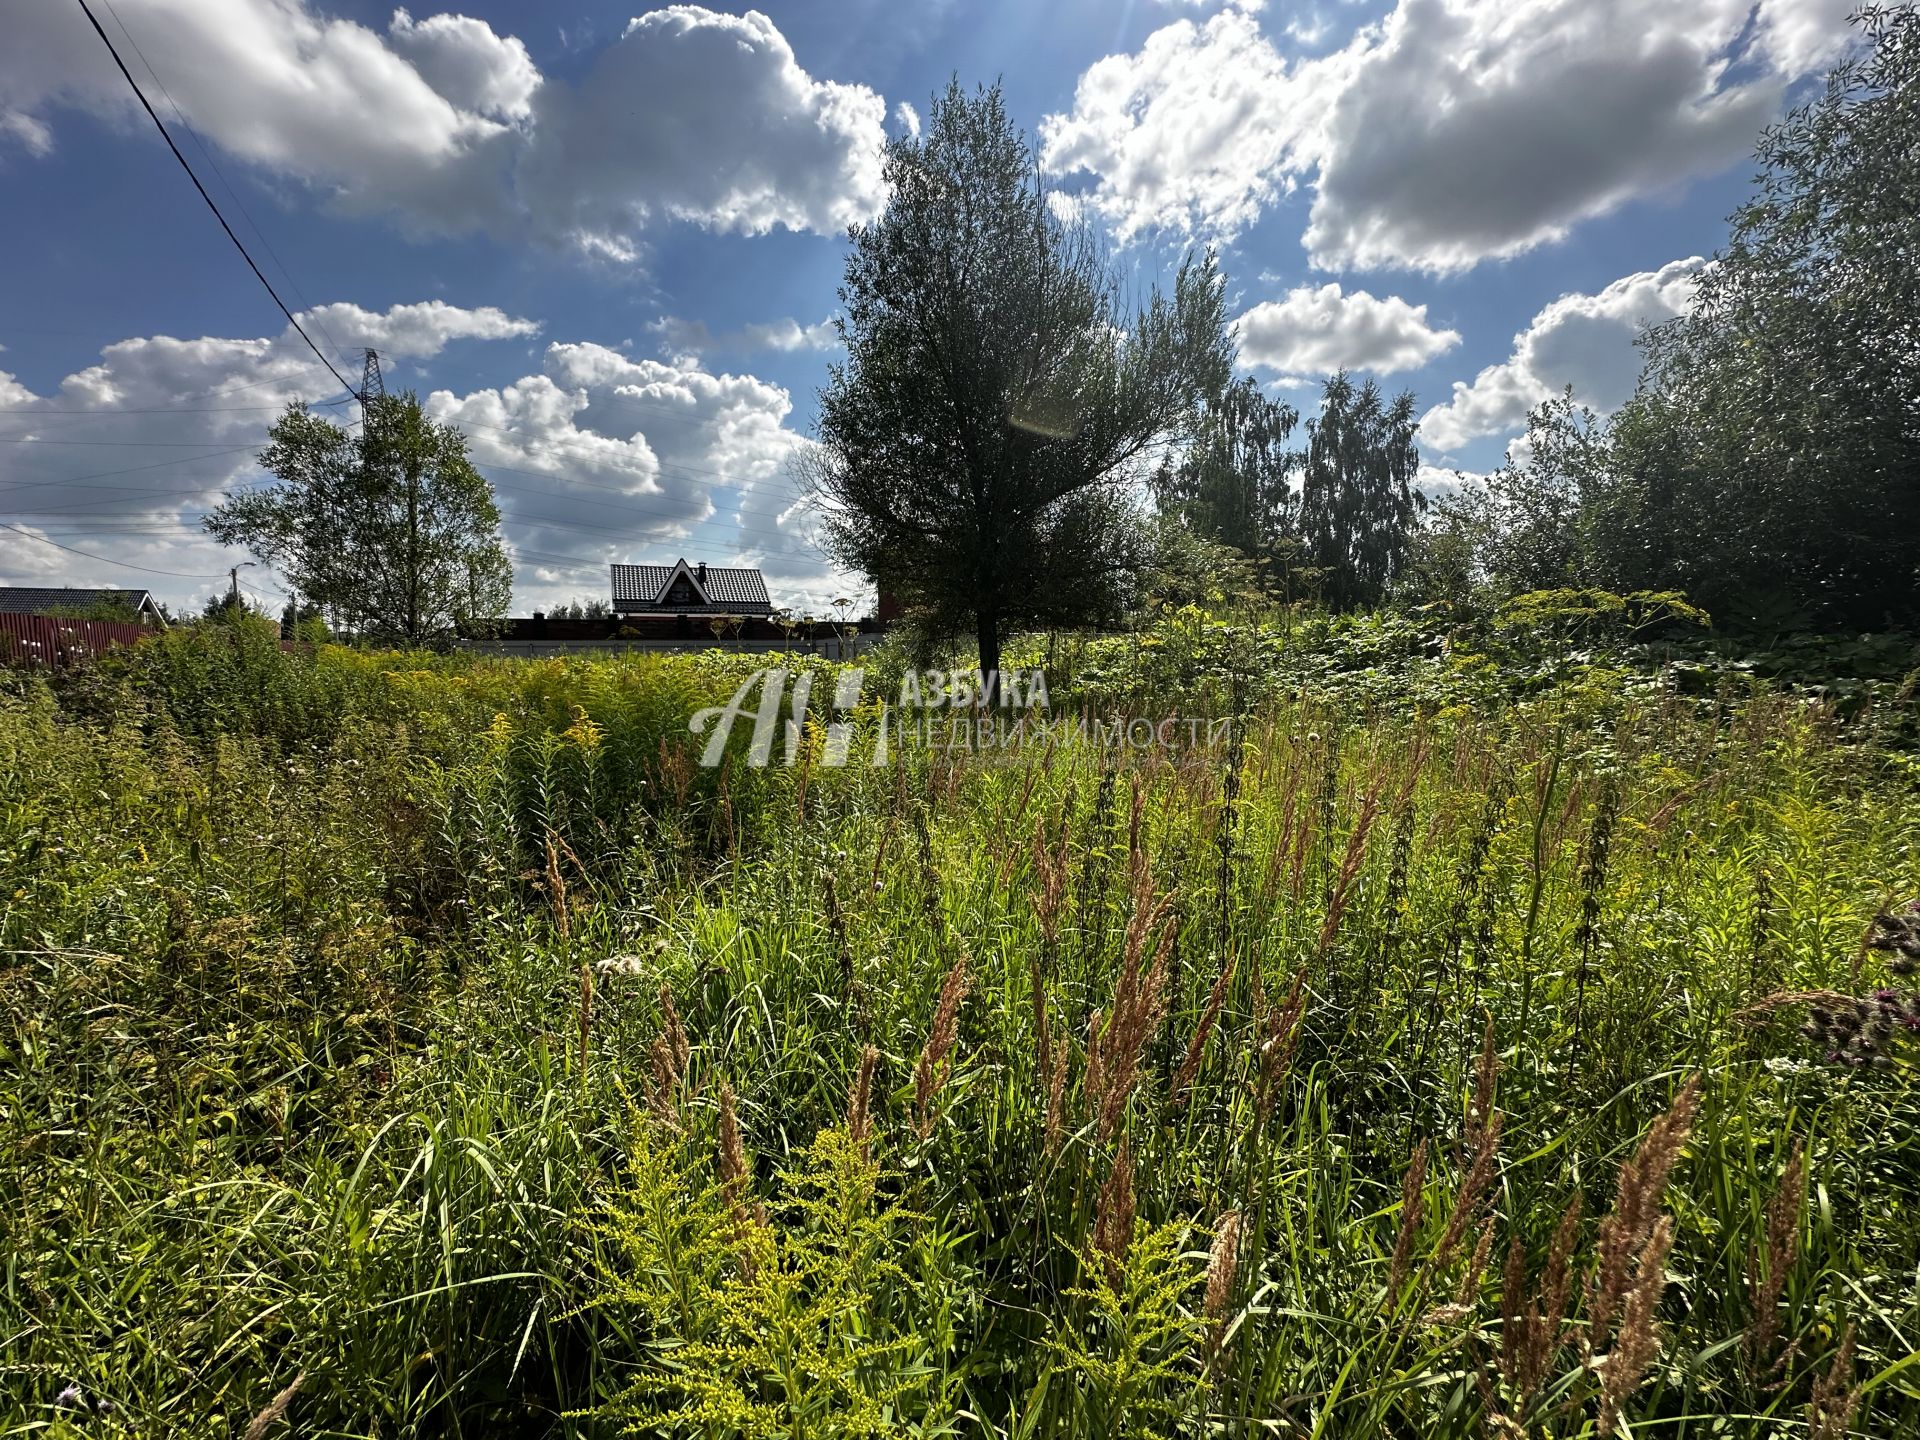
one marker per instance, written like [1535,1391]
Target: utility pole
[233,583]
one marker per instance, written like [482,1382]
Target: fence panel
[48,641]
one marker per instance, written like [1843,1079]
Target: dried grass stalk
[1765,1281]
[275,1409]
[930,1076]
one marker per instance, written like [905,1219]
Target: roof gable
[680,569]
[715,589]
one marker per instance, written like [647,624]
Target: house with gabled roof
[682,606]
[137,606]
[683,589]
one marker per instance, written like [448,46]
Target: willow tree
[1000,403]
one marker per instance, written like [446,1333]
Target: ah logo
[716,722]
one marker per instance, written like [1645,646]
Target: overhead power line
[31,410]
[104,559]
[167,136]
[220,175]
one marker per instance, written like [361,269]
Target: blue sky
[606,240]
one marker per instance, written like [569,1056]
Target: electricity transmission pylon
[372,387]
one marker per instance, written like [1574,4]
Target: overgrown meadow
[399,1045]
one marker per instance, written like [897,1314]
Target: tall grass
[437,1033]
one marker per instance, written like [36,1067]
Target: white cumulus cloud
[703,117]
[1586,341]
[467,64]
[416,331]
[1319,330]
[1195,131]
[695,337]
[123,456]
[449,127]
[1447,133]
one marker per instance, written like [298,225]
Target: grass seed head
[1280,1037]
[735,1171]
[1468,1290]
[1767,1279]
[1209,1017]
[1533,1329]
[1223,1259]
[1412,1211]
[1057,1099]
[1638,1340]
[1113,1218]
[275,1409]
[1835,1398]
[859,1103]
[930,1076]
[673,1031]
[1627,1230]
[1475,1186]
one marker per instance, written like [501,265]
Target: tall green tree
[1233,484]
[1770,465]
[390,532]
[1357,502]
[999,402]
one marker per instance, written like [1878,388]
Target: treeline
[1765,468]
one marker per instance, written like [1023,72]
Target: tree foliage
[1772,452]
[1346,530]
[1769,465]
[390,532]
[1357,502]
[998,397]
[1530,519]
[1233,484]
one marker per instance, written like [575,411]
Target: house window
[680,594]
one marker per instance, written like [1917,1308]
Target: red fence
[38,641]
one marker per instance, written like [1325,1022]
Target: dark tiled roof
[30,600]
[638,588]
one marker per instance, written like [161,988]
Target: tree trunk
[413,554]
[988,628]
